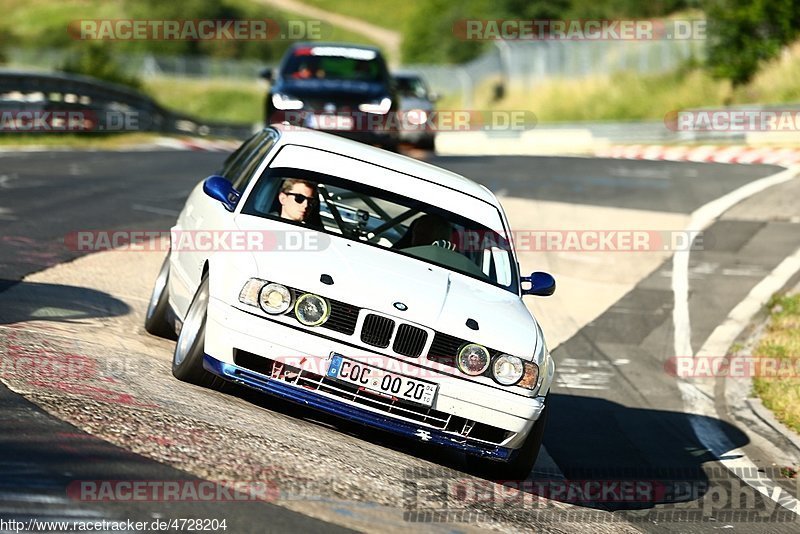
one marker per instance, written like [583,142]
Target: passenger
[430,230]
[304,72]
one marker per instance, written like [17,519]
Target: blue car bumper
[338,408]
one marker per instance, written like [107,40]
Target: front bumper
[347,411]
[230,331]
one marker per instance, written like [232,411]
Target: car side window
[247,170]
[235,160]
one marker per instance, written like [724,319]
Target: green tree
[744,33]
[429,35]
[208,10]
[93,59]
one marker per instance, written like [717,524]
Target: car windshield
[333,63]
[389,221]
[411,86]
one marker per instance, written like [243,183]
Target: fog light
[473,359]
[312,310]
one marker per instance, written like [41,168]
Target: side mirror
[266,74]
[221,189]
[434,97]
[542,284]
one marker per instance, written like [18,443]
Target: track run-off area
[88,396]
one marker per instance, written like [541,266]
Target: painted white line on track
[700,219]
[6,214]
[698,394]
[705,424]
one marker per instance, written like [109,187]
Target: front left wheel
[187,361]
[155,319]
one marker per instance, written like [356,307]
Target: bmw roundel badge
[400,306]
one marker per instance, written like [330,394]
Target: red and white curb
[706,153]
[198,145]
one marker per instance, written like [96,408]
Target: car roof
[335,45]
[296,135]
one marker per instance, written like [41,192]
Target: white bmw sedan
[364,284]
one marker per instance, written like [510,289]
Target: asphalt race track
[90,396]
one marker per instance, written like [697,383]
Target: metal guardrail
[60,91]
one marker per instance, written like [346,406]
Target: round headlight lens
[507,370]
[473,359]
[275,298]
[312,310]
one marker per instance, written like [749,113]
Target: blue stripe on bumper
[353,413]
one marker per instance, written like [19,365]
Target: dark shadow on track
[23,301]
[51,470]
[611,461]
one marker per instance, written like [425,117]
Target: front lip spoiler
[311,399]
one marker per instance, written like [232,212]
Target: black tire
[521,465]
[187,361]
[155,319]
[427,143]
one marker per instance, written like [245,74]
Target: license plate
[380,381]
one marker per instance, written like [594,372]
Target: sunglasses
[300,198]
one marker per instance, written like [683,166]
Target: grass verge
[385,13]
[87,141]
[211,100]
[632,96]
[781,342]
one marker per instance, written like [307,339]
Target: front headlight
[275,298]
[381,107]
[507,370]
[473,359]
[284,102]
[312,310]
[417,117]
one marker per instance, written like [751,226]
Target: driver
[298,199]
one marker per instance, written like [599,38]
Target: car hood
[334,90]
[371,277]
